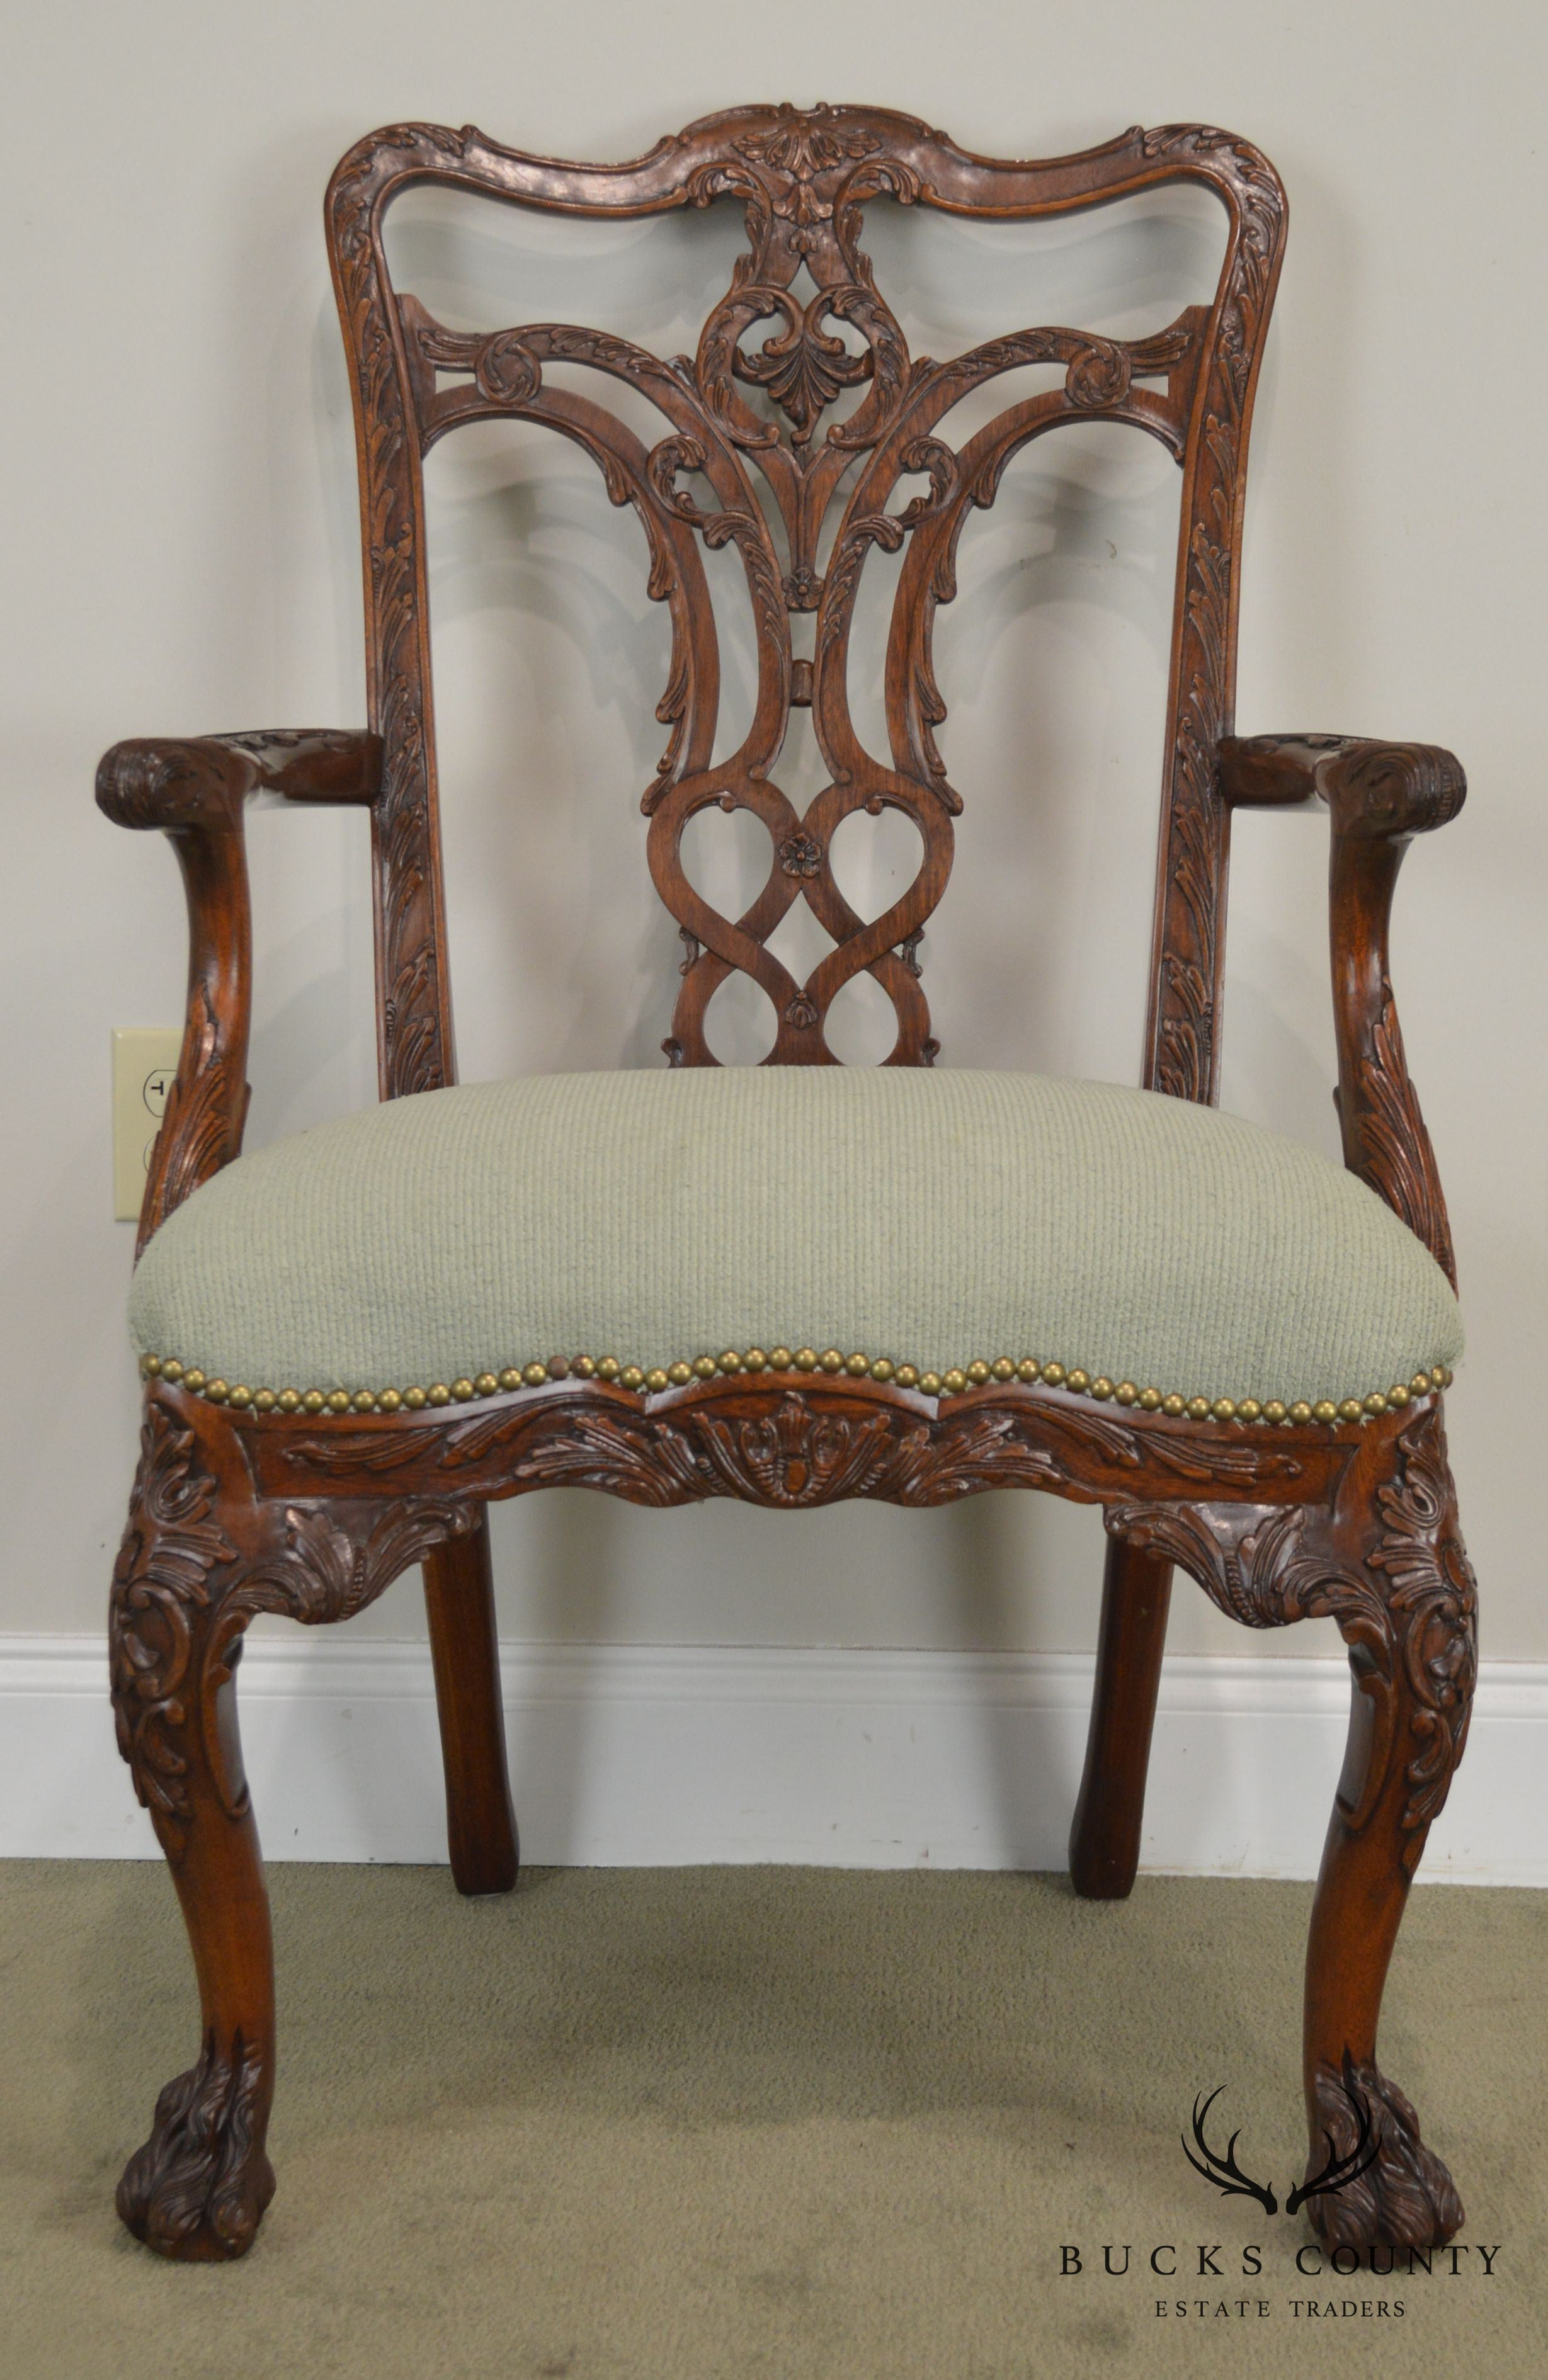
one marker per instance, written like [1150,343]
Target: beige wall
[180,555]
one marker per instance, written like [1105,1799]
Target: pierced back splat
[803,180]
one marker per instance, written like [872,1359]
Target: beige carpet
[696,2124]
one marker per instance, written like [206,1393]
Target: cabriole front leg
[1413,1657]
[198,2186]
[1387,1563]
[201,1555]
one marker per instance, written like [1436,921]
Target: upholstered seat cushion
[932,1219]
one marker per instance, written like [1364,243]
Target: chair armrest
[1379,796]
[1372,789]
[195,790]
[197,781]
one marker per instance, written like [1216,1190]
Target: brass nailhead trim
[952,1383]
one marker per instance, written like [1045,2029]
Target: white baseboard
[644,1756]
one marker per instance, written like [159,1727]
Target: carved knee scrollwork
[1432,1595]
[173,1545]
[200,1556]
[1387,1561]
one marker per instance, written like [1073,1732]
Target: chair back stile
[803,180]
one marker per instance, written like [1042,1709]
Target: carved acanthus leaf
[804,368]
[1433,1597]
[335,1560]
[183,1591]
[161,1583]
[703,1449]
[202,1123]
[1405,1605]
[1184,1054]
[1396,1157]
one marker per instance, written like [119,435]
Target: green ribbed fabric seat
[932,1219]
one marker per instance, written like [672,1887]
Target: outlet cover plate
[144,1062]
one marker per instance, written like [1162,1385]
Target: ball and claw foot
[197,2190]
[1405,2198]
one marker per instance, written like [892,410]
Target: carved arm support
[195,792]
[1379,796]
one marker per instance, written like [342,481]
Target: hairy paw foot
[1395,2193]
[197,2189]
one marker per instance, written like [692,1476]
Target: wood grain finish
[1109,1806]
[465,1654]
[235,1513]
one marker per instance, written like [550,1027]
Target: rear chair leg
[481,1821]
[1109,1812]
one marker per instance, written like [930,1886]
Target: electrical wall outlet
[144,1064]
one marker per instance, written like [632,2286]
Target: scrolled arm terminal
[177,783]
[1374,790]
[1379,796]
[195,790]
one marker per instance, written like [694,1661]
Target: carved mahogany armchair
[804,1281]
